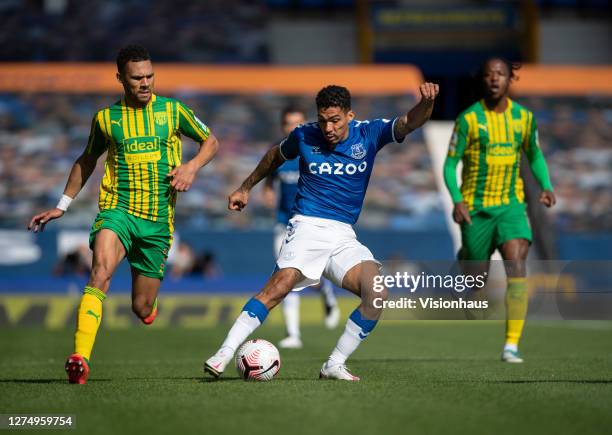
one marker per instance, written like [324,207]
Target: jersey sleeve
[456,149]
[290,146]
[98,141]
[381,132]
[537,163]
[190,125]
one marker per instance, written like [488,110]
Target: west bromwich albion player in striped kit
[336,160]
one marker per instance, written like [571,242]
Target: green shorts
[146,243]
[491,228]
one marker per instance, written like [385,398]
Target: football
[257,360]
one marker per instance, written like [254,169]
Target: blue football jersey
[333,180]
[288,174]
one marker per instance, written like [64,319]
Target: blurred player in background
[489,207]
[336,157]
[141,134]
[288,174]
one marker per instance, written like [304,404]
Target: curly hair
[131,53]
[334,96]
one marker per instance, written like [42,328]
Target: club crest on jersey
[517,126]
[358,151]
[161,118]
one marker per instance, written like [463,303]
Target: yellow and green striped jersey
[144,145]
[489,145]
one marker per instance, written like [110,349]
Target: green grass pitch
[417,377]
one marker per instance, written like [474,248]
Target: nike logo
[251,314]
[91,313]
[362,336]
[483,127]
[116,122]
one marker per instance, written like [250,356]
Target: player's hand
[39,221]
[238,200]
[548,198]
[429,91]
[461,213]
[183,176]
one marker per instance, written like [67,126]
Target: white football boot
[215,365]
[336,371]
[511,356]
[291,342]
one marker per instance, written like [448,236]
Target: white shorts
[317,246]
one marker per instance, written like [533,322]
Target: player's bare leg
[474,268]
[144,296]
[358,280]
[514,252]
[252,316]
[107,254]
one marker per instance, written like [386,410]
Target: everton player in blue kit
[287,175]
[336,159]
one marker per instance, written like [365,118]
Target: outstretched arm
[268,164]
[419,114]
[81,170]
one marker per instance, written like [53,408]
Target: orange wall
[361,80]
[563,80]
[170,78]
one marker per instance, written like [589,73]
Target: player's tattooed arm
[419,114]
[268,164]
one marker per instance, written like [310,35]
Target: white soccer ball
[257,360]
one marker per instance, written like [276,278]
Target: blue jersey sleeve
[290,146]
[381,132]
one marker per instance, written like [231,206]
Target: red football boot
[151,317]
[77,369]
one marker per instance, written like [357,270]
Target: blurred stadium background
[237,63]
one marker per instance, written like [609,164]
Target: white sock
[327,289]
[242,328]
[511,347]
[347,343]
[291,312]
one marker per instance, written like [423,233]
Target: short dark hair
[131,53]
[334,96]
[512,67]
[291,108]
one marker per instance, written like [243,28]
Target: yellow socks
[516,310]
[89,316]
